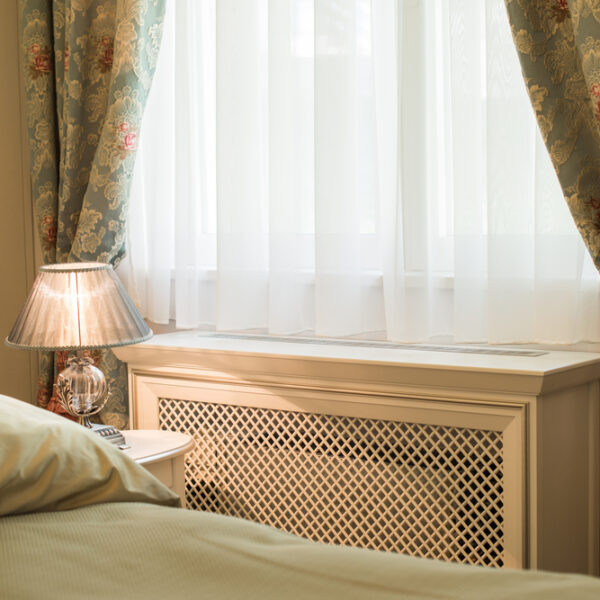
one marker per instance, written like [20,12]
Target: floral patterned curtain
[88,66]
[558,42]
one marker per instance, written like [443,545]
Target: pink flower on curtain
[130,141]
[127,137]
[561,10]
[106,54]
[49,231]
[41,61]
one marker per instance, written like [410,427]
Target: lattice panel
[424,490]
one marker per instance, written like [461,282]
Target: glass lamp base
[82,389]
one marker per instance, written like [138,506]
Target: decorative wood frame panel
[508,421]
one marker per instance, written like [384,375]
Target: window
[350,167]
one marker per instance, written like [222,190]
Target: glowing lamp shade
[77,306]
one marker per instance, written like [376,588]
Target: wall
[18,370]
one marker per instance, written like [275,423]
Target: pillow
[48,463]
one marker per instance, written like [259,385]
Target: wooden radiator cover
[483,466]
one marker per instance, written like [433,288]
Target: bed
[78,519]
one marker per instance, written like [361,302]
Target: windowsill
[593,347]
[193,352]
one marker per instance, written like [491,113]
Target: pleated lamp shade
[75,306]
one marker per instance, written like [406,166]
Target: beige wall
[17,367]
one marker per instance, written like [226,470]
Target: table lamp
[79,306]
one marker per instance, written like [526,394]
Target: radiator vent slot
[425,490]
[375,344]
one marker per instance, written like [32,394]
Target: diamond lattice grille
[425,490]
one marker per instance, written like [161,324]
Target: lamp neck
[79,359]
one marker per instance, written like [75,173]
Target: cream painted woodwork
[161,453]
[18,369]
[540,409]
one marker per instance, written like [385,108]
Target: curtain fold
[558,42]
[87,71]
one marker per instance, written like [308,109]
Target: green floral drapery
[88,66]
[558,42]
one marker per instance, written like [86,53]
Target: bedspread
[135,550]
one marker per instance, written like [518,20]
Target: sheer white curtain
[351,167]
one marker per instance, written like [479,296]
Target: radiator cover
[425,490]
[484,459]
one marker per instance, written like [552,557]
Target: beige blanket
[132,550]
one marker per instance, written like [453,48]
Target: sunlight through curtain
[352,168]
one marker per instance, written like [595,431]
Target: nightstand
[162,453]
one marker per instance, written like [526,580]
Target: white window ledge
[366,366]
